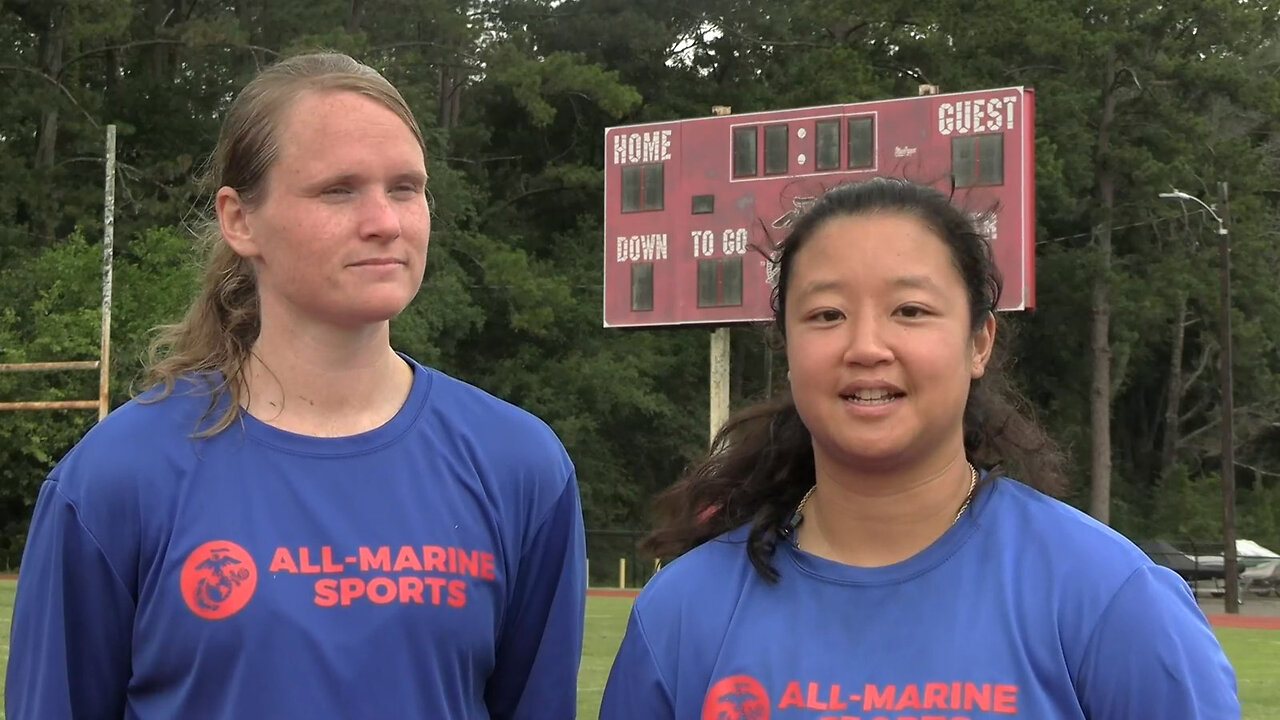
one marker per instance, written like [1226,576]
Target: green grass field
[1254,653]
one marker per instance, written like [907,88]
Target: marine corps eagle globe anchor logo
[218,579]
[737,697]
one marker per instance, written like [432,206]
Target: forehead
[318,125]
[874,244]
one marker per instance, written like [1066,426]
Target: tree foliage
[514,96]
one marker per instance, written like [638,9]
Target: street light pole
[1229,559]
[1228,443]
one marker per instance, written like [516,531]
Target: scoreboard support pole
[719,380]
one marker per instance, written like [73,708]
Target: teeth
[871,397]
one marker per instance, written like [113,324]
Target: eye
[912,311]
[826,316]
[337,191]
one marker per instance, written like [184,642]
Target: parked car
[1262,580]
[1191,568]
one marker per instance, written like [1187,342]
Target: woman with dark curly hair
[852,550]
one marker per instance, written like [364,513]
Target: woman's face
[880,344]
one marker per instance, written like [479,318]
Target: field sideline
[1254,653]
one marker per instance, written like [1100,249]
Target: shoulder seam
[1097,622]
[566,486]
[551,510]
[648,647]
[57,487]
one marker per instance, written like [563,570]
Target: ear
[233,223]
[984,339]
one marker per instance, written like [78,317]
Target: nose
[379,220]
[865,342]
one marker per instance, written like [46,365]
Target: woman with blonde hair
[295,520]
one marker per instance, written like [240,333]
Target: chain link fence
[614,559]
[1201,564]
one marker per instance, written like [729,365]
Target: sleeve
[1154,655]
[536,671]
[70,640]
[636,689]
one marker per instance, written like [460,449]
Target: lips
[874,393]
[377,262]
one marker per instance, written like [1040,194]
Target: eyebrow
[919,282]
[818,286]
[413,176]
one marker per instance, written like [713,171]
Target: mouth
[869,397]
[377,262]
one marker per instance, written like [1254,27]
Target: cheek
[423,239]
[950,372]
[810,372]
[415,230]
[294,236]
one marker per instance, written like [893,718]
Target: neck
[325,382]
[871,521]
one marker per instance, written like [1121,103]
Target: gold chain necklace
[798,515]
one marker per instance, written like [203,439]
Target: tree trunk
[52,47]
[737,371]
[1173,405]
[353,20]
[1100,395]
[450,104]
[250,18]
[113,75]
[768,366]
[1100,340]
[160,14]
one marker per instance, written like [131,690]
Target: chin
[371,313]
[856,452]
[385,303]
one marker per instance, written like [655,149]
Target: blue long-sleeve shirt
[1025,608]
[431,568]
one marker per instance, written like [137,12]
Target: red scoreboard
[694,207]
